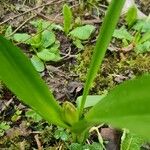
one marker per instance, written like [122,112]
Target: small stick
[21,25]
[41,30]
[7,104]
[11,18]
[38,142]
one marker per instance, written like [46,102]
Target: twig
[50,18]
[41,30]
[60,19]
[11,18]
[38,142]
[25,22]
[55,70]
[21,25]
[67,56]
[7,104]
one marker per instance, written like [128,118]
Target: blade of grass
[17,72]
[102,43]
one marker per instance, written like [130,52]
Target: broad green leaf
[22,37]
[82,33]
[130,141]
[122,33]
[67,14]
[17,72]
[126,106]
[90,101]
[102,43]
[48,38]
[131,15]
[37,63]
[46,55]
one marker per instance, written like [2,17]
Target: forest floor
[23,129]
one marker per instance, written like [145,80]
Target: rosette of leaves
[78,34]
[43,43]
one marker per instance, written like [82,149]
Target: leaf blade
[101,45]
[127,106]
[20,76]
[67,14]
[83,32]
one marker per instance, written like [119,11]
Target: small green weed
[61,134]
[30,114]
[16,116]
[78,34]
[43,43]
[137,38]
[3,127]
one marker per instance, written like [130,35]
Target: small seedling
[138,38]
[78,34]
[67,13]
[131,16]
[61,134]
[33,115]
[43,43]
[3,127]
[16,116]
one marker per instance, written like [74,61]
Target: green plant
[60,133]
[3,127]
[78,34]
[67,13]
[131,15]
[43,43]
[139,36]
[16,116]
[33,115]
[127,105]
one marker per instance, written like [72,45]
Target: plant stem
[104,38]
